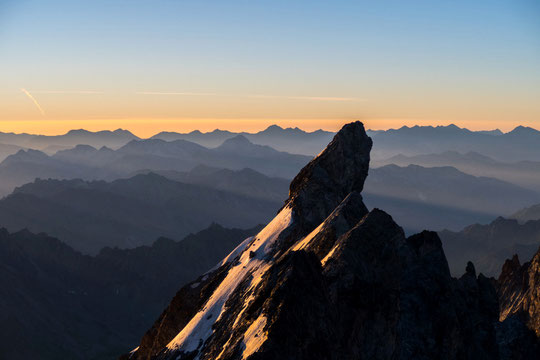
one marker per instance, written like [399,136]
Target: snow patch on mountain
[250,260]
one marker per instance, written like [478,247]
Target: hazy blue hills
[89,215]
[489,245]
[127,212]
[516,145]
[52,143]
[292,140]
[56,303]
[442,197]
[523,173]
[89,163]
[246,181]
[522,143]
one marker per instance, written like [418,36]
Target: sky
[180,65]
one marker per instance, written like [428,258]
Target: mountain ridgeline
[56,303]
[328,279]
[131,212]
[88,163]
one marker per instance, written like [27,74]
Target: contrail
[34,100]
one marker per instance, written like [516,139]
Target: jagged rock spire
[338,170]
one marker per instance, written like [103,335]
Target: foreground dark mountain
[442,197]
[58,304]
[522,173]
[522,143]
[488,246]
[88,163]
[366,290]
[291,140]
[127,212]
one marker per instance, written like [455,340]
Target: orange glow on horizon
[148,127]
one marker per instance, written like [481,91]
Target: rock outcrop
[519,291]
[326,279]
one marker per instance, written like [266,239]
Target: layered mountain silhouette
[522,143]
[58,304]
[246,182]
[328,279]
[127,212]
[489,245]
[88,163]
[522,173]
[53,143]
[442,197]
[292,140]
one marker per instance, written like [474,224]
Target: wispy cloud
[308,98]
[67,92]
[175,93]
[34,101]
[256,96]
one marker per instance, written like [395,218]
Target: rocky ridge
[326,279]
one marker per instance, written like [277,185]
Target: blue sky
[474,63]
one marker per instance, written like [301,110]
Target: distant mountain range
[517,145]
[127,212]
[89,215]
[488,246]
[58,304]
[247,182]
[53,143]
[520,144]
[292,140]
[522,173]
[86,162]
[442,197]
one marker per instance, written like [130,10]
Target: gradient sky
[241,65]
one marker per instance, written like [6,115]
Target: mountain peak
[78,132]
[522,130]
[338,170]
[123,132]
[238,140]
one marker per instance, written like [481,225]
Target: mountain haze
[127,212]
[88,163]
[522,173]
[440,198]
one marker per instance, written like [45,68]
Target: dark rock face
[340,169]
[56,303]
[519,291]
[328,280]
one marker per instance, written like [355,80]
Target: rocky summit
[328,279]
[519,292]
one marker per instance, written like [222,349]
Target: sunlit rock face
[326,279]
[519,292]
